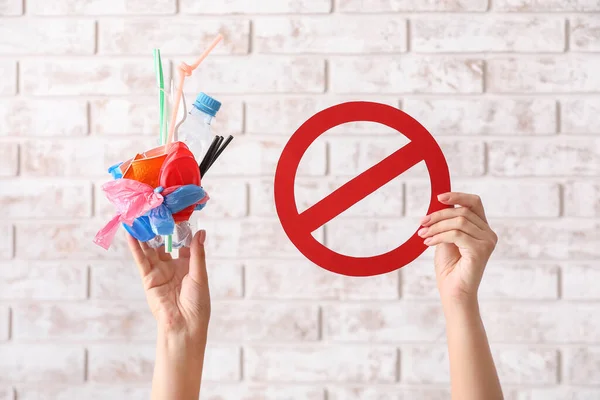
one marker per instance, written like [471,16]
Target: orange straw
[186,70]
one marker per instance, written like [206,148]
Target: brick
[261,74]
[258,156]
[541,323]
[409,74]
[43,118]
[269,322]
[219,391]
[41,363]
[59,241]
[228,199]
[562,74]
[321,364]
[83,321]
[502,280]
[135,363]
[484,116]
[120,363]
[580,116]
[493,33]
[582,365]
[502,199]
[385,202]
[4,323]
[582,199]
[584,33]
[560,157]
[515,365]
[249,238]
[101,7]
[86,391]
[304,280]
[11,8]
[290,113]
[263,7]
[9,159]
[350,157]
[23,280]
[33,198]
[576,278]
[121,281]
[8,70]
[553,393]
[7,393]
[321,35]
[7,246]
[409,6]
[186,36]
[546,5]
[56,37]
[390,322]
[117,116]
[116,281]
[386,393]
[89,157]
[547,240]
[87,77]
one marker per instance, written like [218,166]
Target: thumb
[198,259]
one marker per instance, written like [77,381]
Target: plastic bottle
[196,131]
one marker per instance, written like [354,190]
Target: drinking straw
[186,70]
[229,139]
[161,95]
[207,156]
[162,112]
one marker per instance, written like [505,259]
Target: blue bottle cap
[207,104]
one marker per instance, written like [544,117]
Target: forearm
[178,367]
[472,371]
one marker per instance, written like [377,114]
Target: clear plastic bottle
[196,131]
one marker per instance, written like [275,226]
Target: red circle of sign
[299,227]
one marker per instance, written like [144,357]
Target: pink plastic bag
[132,199]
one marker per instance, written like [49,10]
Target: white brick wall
[509,88]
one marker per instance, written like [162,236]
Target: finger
[163,255]
[471,201]
[458,223]
[458,238]
[198,259]
[151,254]
[139,257]
[184,252]
[449,213]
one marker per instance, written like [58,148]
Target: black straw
[229,139]
[208,156]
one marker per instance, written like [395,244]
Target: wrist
[464,306]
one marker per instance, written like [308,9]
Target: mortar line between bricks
[567,31]
[257,96]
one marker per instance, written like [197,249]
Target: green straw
[161,95]
[162,107]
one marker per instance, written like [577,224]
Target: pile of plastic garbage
[156,191]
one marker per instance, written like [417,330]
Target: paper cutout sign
[299,226]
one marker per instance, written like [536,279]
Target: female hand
[176,288]
[464,243]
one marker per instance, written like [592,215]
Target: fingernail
[425,219]
[422,232]
[202,237]
[444,197]
[427,241]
